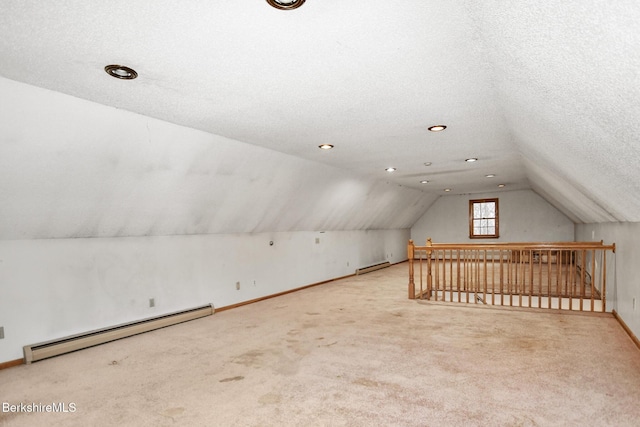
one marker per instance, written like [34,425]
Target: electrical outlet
[317,240]
[1,332]
[152,302]
[238,285]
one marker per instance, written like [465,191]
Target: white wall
[53,288]
[524,217]
[623,281]
[102,209]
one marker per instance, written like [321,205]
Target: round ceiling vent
[286,4]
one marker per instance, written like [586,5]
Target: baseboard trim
[11,364]
[626,328]
[240,304]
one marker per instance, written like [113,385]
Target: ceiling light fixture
[390,169]
[491,175]
[437,128]
[427,163]
[471,160]
[325,146]
[424,181]
[121,72]
[500,185]
[286,4]
[447,190]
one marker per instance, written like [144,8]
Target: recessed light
[500,185]
[447,190]
[326,146]
[286,4]
[121,72]
[427,163]
[424,181]
[437,128]
[470,160]
[390,169]
[491,175]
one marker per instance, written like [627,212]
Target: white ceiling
[545,93]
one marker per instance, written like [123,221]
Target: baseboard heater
[35,352]
[372,268]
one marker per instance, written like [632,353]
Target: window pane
[485,210]
[490,210]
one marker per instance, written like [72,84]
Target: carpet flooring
[353,352]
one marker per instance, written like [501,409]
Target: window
[483,219]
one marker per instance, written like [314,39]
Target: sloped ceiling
[78,169]
[568,79]
[545,94]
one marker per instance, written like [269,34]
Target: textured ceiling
[546,94]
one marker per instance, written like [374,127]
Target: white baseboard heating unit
[35,352]
[372,268]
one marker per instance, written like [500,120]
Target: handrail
[515,245]
[560,274]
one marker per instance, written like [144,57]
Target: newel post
[412,285]
[429,284]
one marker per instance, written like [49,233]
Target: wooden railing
[559,275]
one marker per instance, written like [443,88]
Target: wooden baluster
[502,276]
[604,278]
[421,276]
[412,285]
[549,276]
[516,271]
[429,277]
[493,277]
[593,278]
[458,275]
[476,275]
[465,268]
[451,274]
[474,271]
[559,266]
[437,275]
[510,274]
[582,278]
[570,277]
[521,286]
[485,276]
[531,279]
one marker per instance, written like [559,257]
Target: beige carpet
[354,352]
